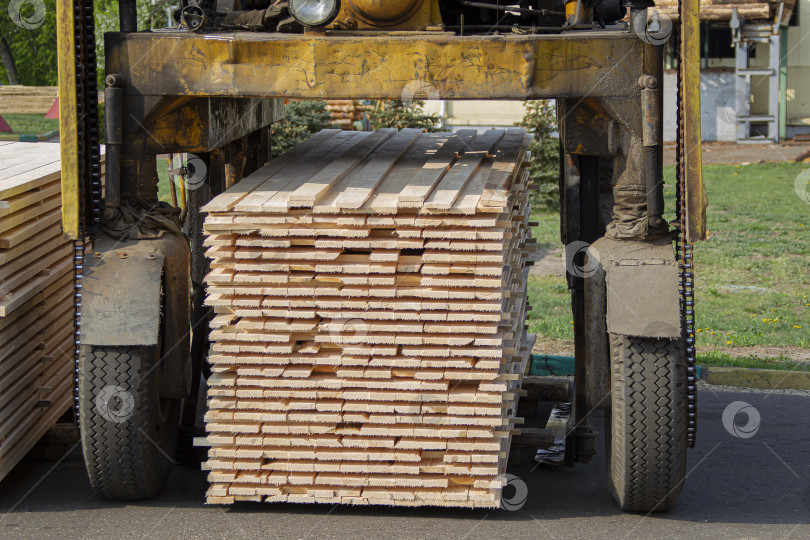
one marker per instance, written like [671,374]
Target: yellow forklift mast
[213,83]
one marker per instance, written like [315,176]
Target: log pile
[36,299]
[345,112]
[721,10]
[369,338]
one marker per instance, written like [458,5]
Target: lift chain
[89,166]
[685,261]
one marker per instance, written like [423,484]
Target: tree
[29,28]
[541,120]
[302,119]
[399,114]
[8,62]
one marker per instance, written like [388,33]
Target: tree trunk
[8,62]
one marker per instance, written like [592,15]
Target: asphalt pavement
[749,477]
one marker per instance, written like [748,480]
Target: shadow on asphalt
[763,479]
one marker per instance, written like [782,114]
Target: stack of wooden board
[721,10]
[369,338]
[345,112]
[26,99]
[36,299]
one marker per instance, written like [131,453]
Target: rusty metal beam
[191,124]
[167,124]
[592,63]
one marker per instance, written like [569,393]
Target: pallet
[369,338]
[36,299]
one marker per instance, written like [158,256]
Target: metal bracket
[559,422]
[121,302]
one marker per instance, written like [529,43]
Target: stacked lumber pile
[369,338]
[36,299]
[26,99]
[345,112]
[720,10]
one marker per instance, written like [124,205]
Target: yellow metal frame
[340,65]
[597,64]
[422,14]
[690,116]
[68,121]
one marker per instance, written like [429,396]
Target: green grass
[550,316]
[721,359]
[164,188]
[31,124]
[752,276]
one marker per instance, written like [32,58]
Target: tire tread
[648,432]
[122,458]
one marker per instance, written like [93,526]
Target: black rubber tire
[648,420]
[128,434]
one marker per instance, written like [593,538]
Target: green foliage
[302,119]
[398,114]
[106,18]
[540,119]
[752,287]
[34,50]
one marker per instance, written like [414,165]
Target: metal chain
[684,250]
[89,165]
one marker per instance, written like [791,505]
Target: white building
[755,79]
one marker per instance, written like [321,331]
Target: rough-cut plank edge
[43,236]
[506,164]
[356,193]
[35,285]
[29,198]
[29,180]
[24,231]
[227,200]
[30,213]
[346,141]
[445,194]
[39,322]
[437,166]
[275,184]
[23,445]
[319,185]
[385,199]
[46,298]
[18,277]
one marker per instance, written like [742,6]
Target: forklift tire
[128,433]
[646,447]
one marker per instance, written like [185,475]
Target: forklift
[213,83]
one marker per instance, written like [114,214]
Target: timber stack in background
[369,339]
[345,112]
[26,99]
[36,299]
[775,11]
